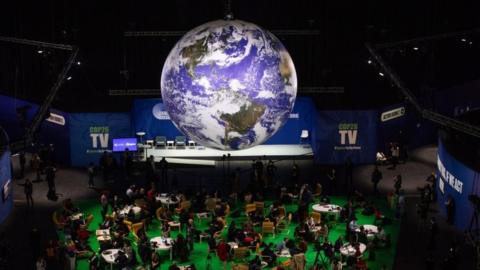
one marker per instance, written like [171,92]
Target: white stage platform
[202,155]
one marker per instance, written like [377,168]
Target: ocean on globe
[229,84]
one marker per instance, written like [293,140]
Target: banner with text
[6,202]
[456,181]
[91,134]
[342,134]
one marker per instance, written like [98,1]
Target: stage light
[79,63]
[369,61]
[381,74]
[40,51]
[69,78]
[470,43]
[463,40]
[415,48]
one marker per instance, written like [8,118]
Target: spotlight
[79,63]
[69,78]
[470,43]
[40,51]
[369,61]
[463,40]
[415,48]
[381,74]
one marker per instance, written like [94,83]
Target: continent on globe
[229,84]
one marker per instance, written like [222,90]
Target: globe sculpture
[229,84]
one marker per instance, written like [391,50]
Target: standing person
[433,234]
[295,173]
[332,183]
[222,253]
[349,173]
[104,202]
[22,164]
[271,173]
[163,172]
[397,183]
[36,166]
[450,204]
[376,177]
[28,189]
[50,177]
[91,174]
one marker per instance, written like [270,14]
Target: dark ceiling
[334,57]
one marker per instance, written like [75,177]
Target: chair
[135,228]
[250,208]
[240,267]
[260,206]
[298,261]
[268,227]
[240,253]
[180,141]
[159,213]
[129,224]
[58,224]
[191,144]
[185,205]
[170,144]
[210,204]
[317,217]
[304,136]
[160,141]
[88,220]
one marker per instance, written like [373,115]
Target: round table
[110,255]
[348,250]
[126,210]
[162,243]
[371,230]
[167,200]
[327,208]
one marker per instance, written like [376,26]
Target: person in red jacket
[222,253]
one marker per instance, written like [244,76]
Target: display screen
[6,190]
[119,145]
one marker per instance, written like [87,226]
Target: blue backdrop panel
[150,116]
[458,181]
[342,134]
[5,176]
[48,132]
[303,117]
[92,133]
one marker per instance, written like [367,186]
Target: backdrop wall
[458,181]
[339,135]
[91,134]
[6,197]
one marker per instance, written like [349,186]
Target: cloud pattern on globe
[229,84]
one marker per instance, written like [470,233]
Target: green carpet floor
[384,256]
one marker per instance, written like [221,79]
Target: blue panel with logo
[342,134]
[150,116]
[457,181]
[92,134]
[6,200]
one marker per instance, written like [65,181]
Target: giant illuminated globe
[229,84]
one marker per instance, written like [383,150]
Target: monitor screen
[120,144]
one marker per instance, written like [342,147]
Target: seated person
[165,229]
[255,263]
[381,158]
[270,256]
[275,211]
[107,223]
[181,249]
[362,236]
[155,261]
[338,244]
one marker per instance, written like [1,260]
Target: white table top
[102,232]
[233,245]
[159,243]
[326,208]
[285,253]
[348,250]
[166,199]
[76,216]
[110,255]
[126,210]
[371,230]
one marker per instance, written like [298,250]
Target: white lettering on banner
[102,137]
[342,136]
[352,136]
[446,176]
[348,136]
[441,185]
[294,116]
[392,114]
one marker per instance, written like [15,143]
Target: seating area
[178,142]
[267,233]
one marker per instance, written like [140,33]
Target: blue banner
[150,116]
[54,130]
[6,200]
[345,134]
[91,134]
[457,181]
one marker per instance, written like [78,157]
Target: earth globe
[229,84]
